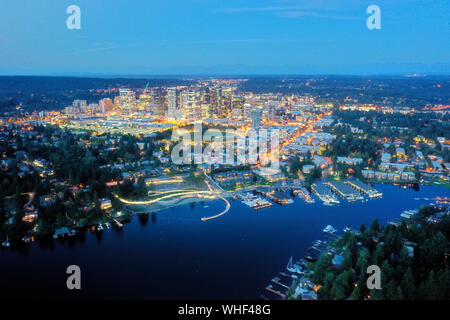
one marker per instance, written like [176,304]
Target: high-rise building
[256,119]
[106,105]
[127,100]
[189,105]
[227,102]
[117,103]
[216,101]
[145,100]
[158,101]
[173,110]
[237,105]
[80,105]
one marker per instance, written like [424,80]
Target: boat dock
[344,190]
[277,281]
[255,202]
[118,224]
[364,188]
[304,194]
[324,193]
[271,289]
[280,198]
[407,214]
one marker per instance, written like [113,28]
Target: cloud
[311,14]
[291,12]
[259,9]
[95,47]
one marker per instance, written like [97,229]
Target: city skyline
[208,150]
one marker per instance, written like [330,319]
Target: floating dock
[408,213]
[271,289]
[304,194]
[280,198]
[324,193]
[344,190]
[255,202]
[364,188]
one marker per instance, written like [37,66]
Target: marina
[364,188]
[280,198]
[274,195]
[344,190]
[324,193]
[304,194]
[254,201]
[407,214]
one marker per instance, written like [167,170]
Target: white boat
[329,229]
[6,243]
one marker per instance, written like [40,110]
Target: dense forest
[424,275]
[75,177]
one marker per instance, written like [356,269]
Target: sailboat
[6,243]
[293,268]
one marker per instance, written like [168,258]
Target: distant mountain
[238,69]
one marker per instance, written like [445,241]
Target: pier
[278,293]
[118,224]
[277,280]
[364,188]
[324,193]
[304,194]
[344,190]
[222,213]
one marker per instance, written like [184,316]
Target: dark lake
[177,256]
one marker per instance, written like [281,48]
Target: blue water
[180,257]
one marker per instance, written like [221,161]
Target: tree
[141,187]
[390,290]
[363,260]
[356,293]
[375,226]
[378,255]
[408,286]
[362,228]
[343,285]
[321,267]
[326,290]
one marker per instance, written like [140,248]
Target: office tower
[173,110]
[206,95]
[117,103]
[206,110]
[145,100]
[237,105]
[127,100]
[159,101]
[106,105]
[256,119]
[189,105]
[80,105]
[227,102]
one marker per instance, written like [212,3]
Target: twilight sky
[143,37]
